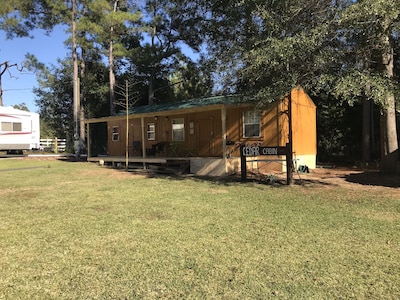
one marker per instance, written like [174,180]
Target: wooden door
[206,137]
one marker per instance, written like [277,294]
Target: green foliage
[54,95]
[19,17]
[21,106]
[47,132]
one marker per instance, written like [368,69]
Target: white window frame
[251,119]
[115,134]
[178,130]
[151,131]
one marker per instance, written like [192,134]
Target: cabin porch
[201,166]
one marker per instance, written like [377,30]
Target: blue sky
[17,88]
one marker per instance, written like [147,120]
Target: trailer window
[10,126]
[251,124]
[17,126]
[6,126]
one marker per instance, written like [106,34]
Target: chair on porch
[136,148]
[158,148]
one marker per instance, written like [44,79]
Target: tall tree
[379,22]
[171,24]
[103,26]
[343,47]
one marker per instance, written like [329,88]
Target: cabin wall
[273,131]
[304,124]
[203,136]
[116,137]
[304,127]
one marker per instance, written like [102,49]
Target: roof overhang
[170,112]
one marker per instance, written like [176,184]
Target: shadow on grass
[371,178]
[374,178]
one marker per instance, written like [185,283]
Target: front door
[206,137]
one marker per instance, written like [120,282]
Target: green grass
[79,231]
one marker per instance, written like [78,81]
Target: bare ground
[350,178]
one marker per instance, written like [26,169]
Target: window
[251,124]
[6,126]
[191,128]
[9,126]
[17,126]
[178,130]
[115,134]
[151,131]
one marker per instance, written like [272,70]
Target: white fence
[56,145]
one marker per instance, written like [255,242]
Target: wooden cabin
[208,132]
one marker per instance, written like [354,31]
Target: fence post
[55,145]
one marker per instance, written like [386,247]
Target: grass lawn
[80,231]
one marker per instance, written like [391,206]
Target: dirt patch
[349,178]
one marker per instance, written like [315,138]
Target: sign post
[249,151]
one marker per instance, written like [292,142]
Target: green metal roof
[193,103]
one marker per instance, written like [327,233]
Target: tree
[19,18]
[170,24]
[5,67]
[379,21]
[103,26]
[21,106]
[319,44]
[54,94]
[190,81]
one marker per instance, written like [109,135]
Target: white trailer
[19,130]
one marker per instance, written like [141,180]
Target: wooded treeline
[344,53]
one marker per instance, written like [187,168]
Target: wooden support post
[289,151]
[243,165]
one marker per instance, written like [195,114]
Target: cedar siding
[213,128]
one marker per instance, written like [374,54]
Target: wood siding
[203,129]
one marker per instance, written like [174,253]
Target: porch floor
[161,164]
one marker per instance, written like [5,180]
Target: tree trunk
[112,80]
[366,130]
[151,87]
[111,66]
[82,103]
[153,71]
[389,142]
[76,100]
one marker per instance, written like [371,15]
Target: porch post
[223,121]
[289,164]
[143,142]
[143,145]
[88,140]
